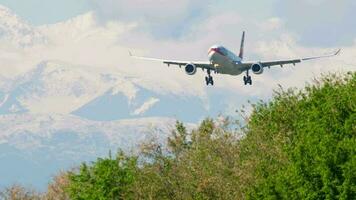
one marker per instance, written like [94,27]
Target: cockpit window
[219,49]
[223,50]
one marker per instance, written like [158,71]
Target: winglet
[337,52]
[130,54]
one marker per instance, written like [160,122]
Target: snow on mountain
[58,87]
[146,103]
[49,143]
[76,73]
[14,29]
[55,87]
[146,106]
[125,133]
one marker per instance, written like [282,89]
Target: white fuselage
[225,61]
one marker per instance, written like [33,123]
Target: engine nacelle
[257,68]
[190,69]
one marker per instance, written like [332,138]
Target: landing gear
[247,79]
[209,78]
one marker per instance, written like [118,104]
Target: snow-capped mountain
[62,88]
[35,147]
[17,31]
[45,119]
[61,106]
[45,126]
[56,87]
[55,115]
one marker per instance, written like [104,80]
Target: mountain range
[55,114]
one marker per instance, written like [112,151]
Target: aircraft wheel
[245,80]
[250,80]
[207,80]
[211,80]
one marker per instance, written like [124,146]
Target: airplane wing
[199,64]
[290,61]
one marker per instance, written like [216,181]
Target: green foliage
[104,179]
[307,143]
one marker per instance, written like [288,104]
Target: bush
[17,192]
[200,165]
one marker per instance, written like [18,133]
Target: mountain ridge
[49,143]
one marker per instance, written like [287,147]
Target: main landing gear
[247,79]
[209,78]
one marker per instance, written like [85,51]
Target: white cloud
[160,18]
[271,24]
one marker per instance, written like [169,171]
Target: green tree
[104,179]
[307,142]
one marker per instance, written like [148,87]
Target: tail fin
[241,55]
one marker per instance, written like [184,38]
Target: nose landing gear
[209,79]
[247,79]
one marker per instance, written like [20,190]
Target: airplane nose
[211,52]
[211,55]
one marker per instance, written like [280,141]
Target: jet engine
[257,68]
[190,69]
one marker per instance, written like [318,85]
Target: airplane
[224,61]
